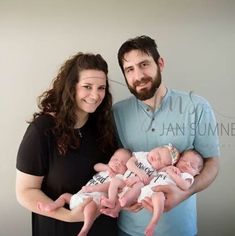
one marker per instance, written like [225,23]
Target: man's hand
[173,194]
[134,208]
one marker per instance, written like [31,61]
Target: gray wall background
[196,39]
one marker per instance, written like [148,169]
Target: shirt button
[153,129]
[147,109]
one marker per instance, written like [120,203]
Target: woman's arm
[28,193]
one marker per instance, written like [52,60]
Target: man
[156,116]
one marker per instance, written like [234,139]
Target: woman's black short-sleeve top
[37,155]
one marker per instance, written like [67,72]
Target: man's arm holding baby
[175,195]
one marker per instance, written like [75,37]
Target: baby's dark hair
[198,155]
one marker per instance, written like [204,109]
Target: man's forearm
[207,175]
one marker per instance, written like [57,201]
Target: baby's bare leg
[115,185]
[112,199]
[158,200]
[131,196]
[90,213]
[59,202]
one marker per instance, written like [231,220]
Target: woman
[70,134]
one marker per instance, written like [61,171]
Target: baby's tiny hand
[86,189]
[130,181]
[172,169]
[143,177]
[111,172]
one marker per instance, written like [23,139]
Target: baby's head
[191,162]
[163,156]
[119,159]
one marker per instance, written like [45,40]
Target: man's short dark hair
[142,43]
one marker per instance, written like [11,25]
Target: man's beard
[146,93]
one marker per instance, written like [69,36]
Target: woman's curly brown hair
[60,101]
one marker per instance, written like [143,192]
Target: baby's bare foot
[149,231]
[122,201]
